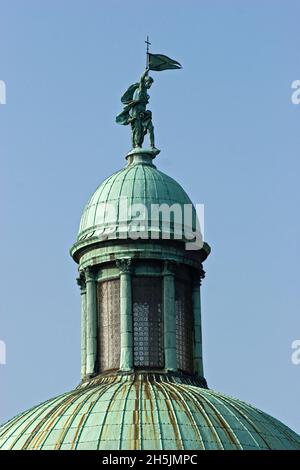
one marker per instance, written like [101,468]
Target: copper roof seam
[171,181]
[154,185]
[203,412]
[236,418]
[41,408]
[263,418]
[74,415]
[13,421]
[101,187]
[147,396]
[66,406]
[78,428]
[140,405]
[175,184]
[158,414]
[63,432]
[106,413]
[98,390]
[161,177]
[262,425]
[103,183]
[247,418]
[272,420]
[129,385]
[153,179]
[120,192]
[87,207]
[34,439]
[107,196]
[172,415]
[132,189]
[189,413]
[145,189]
[224,424]
[7,426]
[135,429]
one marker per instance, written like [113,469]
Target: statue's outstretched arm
[143,76]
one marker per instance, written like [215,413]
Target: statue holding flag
[136,99]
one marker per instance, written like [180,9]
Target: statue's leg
[151,134]
[137,134]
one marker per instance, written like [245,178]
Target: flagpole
[147,51]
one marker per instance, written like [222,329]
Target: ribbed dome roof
[145,412]
[138,183]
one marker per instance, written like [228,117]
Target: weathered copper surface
[145,411]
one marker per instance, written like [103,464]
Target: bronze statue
[135,113]
[136,99]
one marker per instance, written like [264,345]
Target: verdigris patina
[135,113]
[136,98]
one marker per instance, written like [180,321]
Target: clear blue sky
[228,133]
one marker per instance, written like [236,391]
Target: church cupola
[140,257]
[140,293]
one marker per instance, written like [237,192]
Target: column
[82,285]
[126,327]
[169,318]
[91,323]
[198,364]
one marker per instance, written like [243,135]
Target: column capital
[198,276]
[89,274]
[202,273]
[81,282]
[124,265]
[169,268]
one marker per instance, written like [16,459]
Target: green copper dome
[139,183]
[145,412]
[140,257]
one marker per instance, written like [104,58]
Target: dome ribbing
[140,183]
[145,412]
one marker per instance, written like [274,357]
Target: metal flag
[159,62]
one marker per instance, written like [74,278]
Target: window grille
[108,296]
[147,322]
[184,326]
